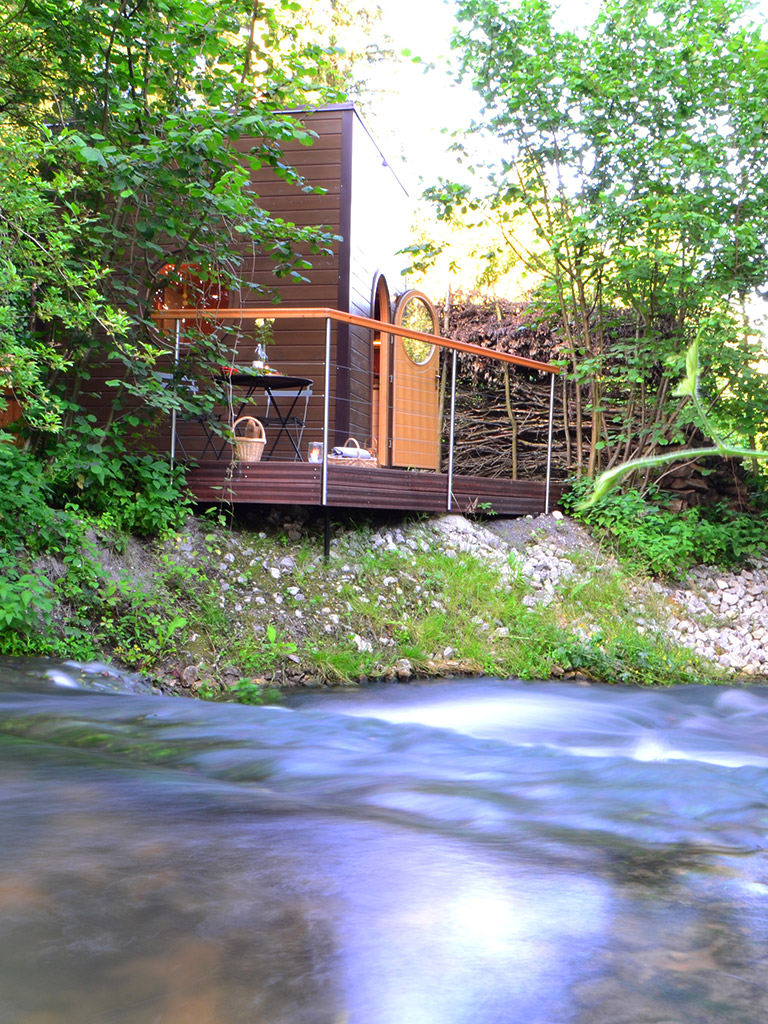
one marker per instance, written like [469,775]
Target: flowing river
[484,852]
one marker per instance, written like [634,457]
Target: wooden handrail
[306,313]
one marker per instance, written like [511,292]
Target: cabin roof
[361,120]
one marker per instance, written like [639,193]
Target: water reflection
[452,854]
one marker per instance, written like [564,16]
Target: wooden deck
[300,483]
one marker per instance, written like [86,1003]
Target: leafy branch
[687,388]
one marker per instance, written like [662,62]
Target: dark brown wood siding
[299,345]
[361,202]
[367,206]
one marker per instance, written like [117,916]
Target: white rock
[361,644]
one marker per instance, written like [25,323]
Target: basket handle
[254,424]
[352,442]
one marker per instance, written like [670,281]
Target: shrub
[49,507]
[666,543]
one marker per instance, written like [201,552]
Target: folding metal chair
[289,415]
[204,419]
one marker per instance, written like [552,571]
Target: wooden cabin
[353,382]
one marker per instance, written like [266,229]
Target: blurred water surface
[484,852]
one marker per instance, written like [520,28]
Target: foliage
[30,526]
[119,132]
[135,491]
[635,148]
[687,388]
[121,127]
[246,691]
[629,659]
[49,272]
[44,516]
[134,623]
[353,35]
[266,653]
[667,543]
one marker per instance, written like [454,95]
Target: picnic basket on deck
[352,453]
[249,446]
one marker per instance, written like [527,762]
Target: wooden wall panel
[320,163]
[359,203]
[299,346]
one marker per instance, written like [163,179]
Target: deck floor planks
[300,483]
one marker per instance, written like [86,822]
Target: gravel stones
[721,616]
[724,617]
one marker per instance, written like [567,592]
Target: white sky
[414,104]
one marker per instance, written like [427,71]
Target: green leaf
[91,155]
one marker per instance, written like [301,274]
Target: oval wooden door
[415,387]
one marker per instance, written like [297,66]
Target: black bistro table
[283,405]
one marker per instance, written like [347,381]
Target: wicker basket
[369,462]
[249,446]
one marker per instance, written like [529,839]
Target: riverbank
[221,610]
[445,596]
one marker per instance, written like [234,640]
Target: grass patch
[234,614]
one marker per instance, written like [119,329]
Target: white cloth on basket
[351,453]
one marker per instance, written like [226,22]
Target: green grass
[356,616]
[465,605]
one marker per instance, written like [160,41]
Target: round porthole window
[188,286]
[416,315]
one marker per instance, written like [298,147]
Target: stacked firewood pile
[502,326]
[491,443]
[502,424]
[706,481]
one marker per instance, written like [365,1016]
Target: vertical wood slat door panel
[415,388]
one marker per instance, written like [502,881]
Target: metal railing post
[549,442]
[452,431]
[326,408]
[176,351]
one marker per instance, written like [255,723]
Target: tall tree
[116,124]
[637,147]
[351,29]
